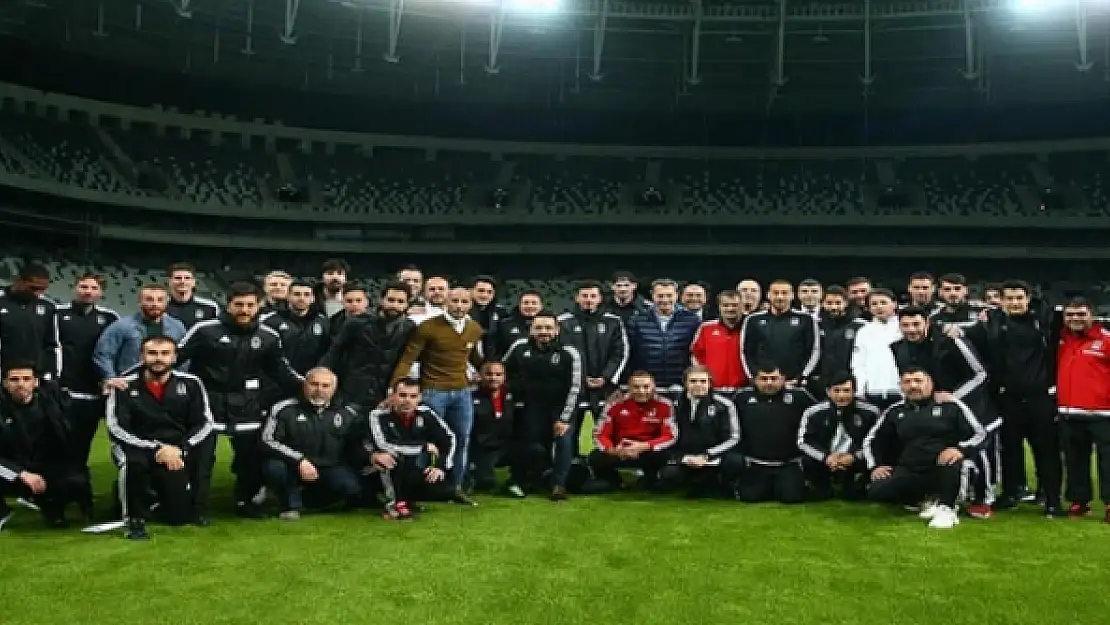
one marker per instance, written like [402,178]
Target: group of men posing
[809,393]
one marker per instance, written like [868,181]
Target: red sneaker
[980,511]
[1079,509]
[397,511]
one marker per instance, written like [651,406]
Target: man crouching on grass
[411,448]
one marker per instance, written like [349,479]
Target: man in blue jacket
[660,338]
[119,348]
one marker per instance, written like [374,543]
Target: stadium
[538,145]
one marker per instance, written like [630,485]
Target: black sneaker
[1005,502]
[460,497]
[1052,510]
[136,530]
[55,522]
[559,494]
[201,520]
[248,510]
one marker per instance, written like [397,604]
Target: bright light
[520,6]
[1037,6]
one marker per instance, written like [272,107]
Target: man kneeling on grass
[702,461]
[309,437]
[411,448]
[921,444]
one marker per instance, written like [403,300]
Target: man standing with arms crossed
[443,345]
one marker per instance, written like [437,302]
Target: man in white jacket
[873,363]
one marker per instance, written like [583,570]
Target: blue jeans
[457,409]
[286,480]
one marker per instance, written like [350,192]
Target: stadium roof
[722,56]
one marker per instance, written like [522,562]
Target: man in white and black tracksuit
[831,437]
[303,332]
[161,423]
[28,325]
[231,355]
[702,461]
[546,377]
[602,342]
[788,337]
[309,438]
[80,324]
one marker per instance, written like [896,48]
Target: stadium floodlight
[1037,6]
[539,7]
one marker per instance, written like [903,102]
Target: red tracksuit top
[1083,372]
[652,423]
[718,349]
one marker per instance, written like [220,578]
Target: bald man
[308,438]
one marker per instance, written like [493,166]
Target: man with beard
[36,458]
[328,297]
[304,335]
[28,325]
[119,348]
[1083,395]
[956,371]
[702,462]
[694,298]
[660,338]
[636,432]
[412,449]
[366,352]
[515,326]
[922,291]
[231,355]
[873,363]
[444,345]
[838,339]
[787,337]
[954,311]
[184,304]
[751,296]
[276,286]
[546,376]
[486,311]
[770,416]
[356,301]
[917,449]
[1022,365]
[625,301]
[162,426]
[832,436]
[602,342]
[859,288]
[308,438]
[809,297]
[413,277]
[80,325]
[716,345]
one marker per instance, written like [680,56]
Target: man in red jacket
[717,346]
[1083,397]
[633,433]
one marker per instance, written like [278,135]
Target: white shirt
[664,320]
[458,324]
[872,361]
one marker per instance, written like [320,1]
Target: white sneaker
[259,497]
[944,518]
[290,515]
[4,520]
[927,510]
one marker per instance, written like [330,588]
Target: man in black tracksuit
[625,302]
[304,335]
[602,342]
[917,447]
[515,326]
[770,416]
[411,449]
[309,439]
[831,436]
[183,303]
[1021,350]
[28,325]
[546,376]
[491,441]
[36,455]
[788,337]
[702,461]
[838,339]
[365,353]
[80,325]
[162,425]
[231,355]
[486,311]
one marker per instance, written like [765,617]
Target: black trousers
[1030,417]
[705,480]
[1079,436]
[336,481]
[246,463]
[84,418]
[484,461]
[406,481]
[64,485]
[181,496]
[604,466]
[909,485]
[785,484]
[848,484]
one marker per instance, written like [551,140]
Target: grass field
[627,559]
